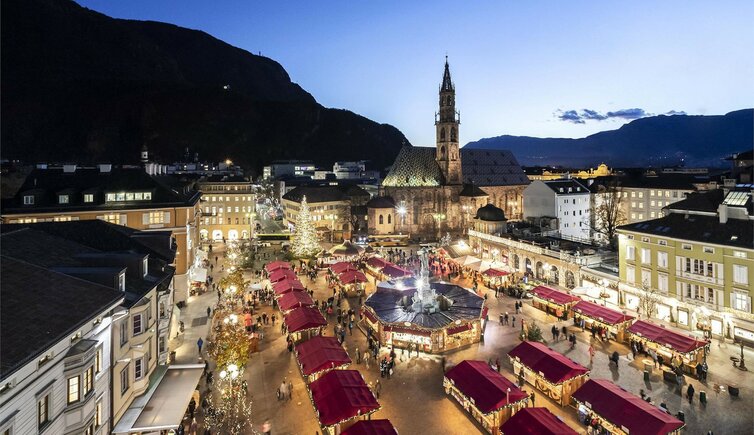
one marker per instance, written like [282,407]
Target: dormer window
[145,265]
[89,197]
[122,282]
[28,199]
[63,199]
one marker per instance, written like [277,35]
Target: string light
[305,243]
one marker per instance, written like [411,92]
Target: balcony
[582,260]
[700,278]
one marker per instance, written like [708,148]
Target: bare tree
[648,300]
[608,213]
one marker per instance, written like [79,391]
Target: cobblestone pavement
[414,399]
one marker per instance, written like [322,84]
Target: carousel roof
[282,274]
[552,365]
[294,299]
[352,276]
[346,249]
[553,295]
[287,285]
[341,267]
[303,318]
[488,388]
[623,409]
[535,421]
[666,337]
[340,395]
[275,265]
[603,314]
[371,427]
[320,353]
[387,303]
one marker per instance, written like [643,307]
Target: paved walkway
[414,399]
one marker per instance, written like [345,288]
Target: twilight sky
[545,68]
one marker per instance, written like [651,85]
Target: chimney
[722,213]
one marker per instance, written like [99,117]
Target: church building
[438,190]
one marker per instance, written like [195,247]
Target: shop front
[675,348]
[485,394]
[405,336]
[550,372]
[553,302]
[599,318]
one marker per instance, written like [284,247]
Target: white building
[55,369]
[566,200]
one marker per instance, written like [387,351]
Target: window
[63,199]
[633,195]
[708,249]
[89,430]
[380,220]
[646,256]
[686,247]
[156,217]
[28,199]
[662,259]
[739,254]
[98,414]
[740,301]
[162,344]
[662,282]
[641,194]
[98,361]
[88,377]
[43,410]
[662,242]
[123,334]
[652,214]
[630,274]
[630,253]
[139,368]
[122,282]
[633,215]
[389,219]
[740,274]
[646,278]
[73,389]
[138,328]
[124,379]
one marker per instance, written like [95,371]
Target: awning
[303,318]
[371,427]
[294,299]
[341,395]
[554,296]
[600,313]
[624,410]
[162,407]
[321,353]
[486,387]
[538,421]
[458,329]
[666,337]
[552,365]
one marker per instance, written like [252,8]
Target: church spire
[447,84]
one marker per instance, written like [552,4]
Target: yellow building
[601,171]
[698,261]
[228,207]
[125,196]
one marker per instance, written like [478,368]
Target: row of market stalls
[384,270]
[496,403]
[342,400]
[676,348]
[347,277]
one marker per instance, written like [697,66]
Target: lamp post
[401,210]
[439,217]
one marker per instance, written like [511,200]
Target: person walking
[283,390]
[554,331]
[358,356]
[199,344]
[377,388]
[209,311]
[591,353]
[690,393]
[290,390]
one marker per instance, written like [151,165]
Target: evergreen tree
[305,243]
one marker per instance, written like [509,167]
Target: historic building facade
[427,184]
[228,206]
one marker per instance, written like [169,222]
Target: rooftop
[316,194]
[698,228]
[569,186]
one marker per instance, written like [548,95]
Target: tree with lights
[305,243]
[231,344]
[233,285]
[230,408]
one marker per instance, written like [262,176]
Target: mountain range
[80,86]
[664,140]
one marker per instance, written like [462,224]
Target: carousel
[429,317]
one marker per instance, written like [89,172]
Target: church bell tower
[446,123]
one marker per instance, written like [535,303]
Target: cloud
[580,117]
[628,114]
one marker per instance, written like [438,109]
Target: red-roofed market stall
[304,322]
[596,316]
[675,348]
[294,299]
[340,397]
[319,355]
[554,302]
[535,421]
[371,427]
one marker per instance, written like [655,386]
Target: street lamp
[439,217]
[401,210]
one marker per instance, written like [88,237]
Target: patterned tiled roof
[416,167]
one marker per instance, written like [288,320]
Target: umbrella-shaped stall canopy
[294,299]
[341,395]
[282,274]
[346,249]
[319,353]
[275,265]
[494,272]
[287,286]
[467,260]
[352,276]
[341,267]
[301,319]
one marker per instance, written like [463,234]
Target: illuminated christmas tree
[230,407]
[305,243]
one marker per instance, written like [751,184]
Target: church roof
[417,167]
[381,202]
[447,84]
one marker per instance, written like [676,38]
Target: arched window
[453,134]
[448,100]
[380,220]
[442,134]
[442,152]
[389,219]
